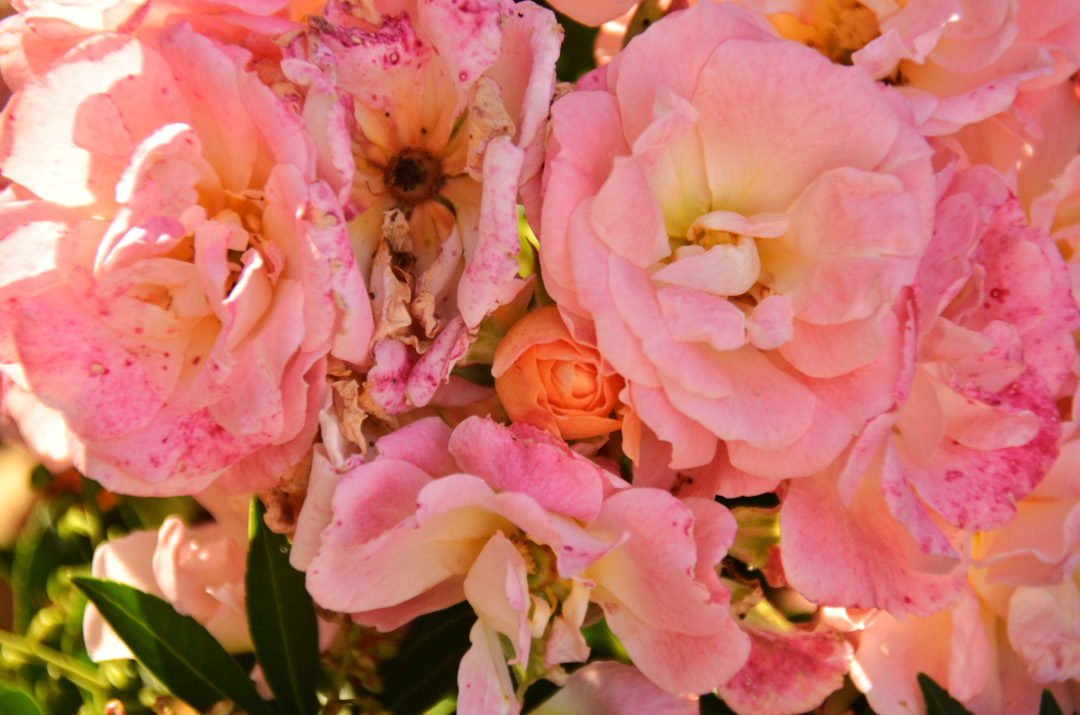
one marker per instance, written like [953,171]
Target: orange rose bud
[545,378]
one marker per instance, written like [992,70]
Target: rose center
[413,175]
[835,28]
[539,560]
[851,27]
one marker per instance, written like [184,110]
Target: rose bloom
[173,278]
[545,378]
[198,569]
[977,429]
[1014,631]
[528,531]
[734,221]
[957,61]
[42,31]
[428,120]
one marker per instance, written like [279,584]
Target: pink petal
[497,591]
[494,263]
[483,679]
[610,687]
[788,671]
[864,558]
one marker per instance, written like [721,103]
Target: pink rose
[433,176]
[976,431]
[737,239]
[199,570]
[173,278]
[512,520]
[957,62]
[42,30]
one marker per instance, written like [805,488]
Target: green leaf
[710,704]
[426,667]
[1048,705]
[648,12]
[938,700]
[477,374]
[16,702]
[178,650]
[281,617]
[39,551]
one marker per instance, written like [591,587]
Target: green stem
[90,490]
[79,673]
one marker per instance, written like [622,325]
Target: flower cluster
[757,344]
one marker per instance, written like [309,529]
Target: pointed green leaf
[938,700]
[1048,705]
[281,617]
[426,666]
[16,702]
[177,649]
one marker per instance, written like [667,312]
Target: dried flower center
[413,175]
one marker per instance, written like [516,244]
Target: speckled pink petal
[433,368]
[862,559]
[255,400]
[467,36]
[387,379]
[789,670]
[977,490]
[179,452]
[346,303]
[524,71]
[45,157]
[494,262]
[104,386]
